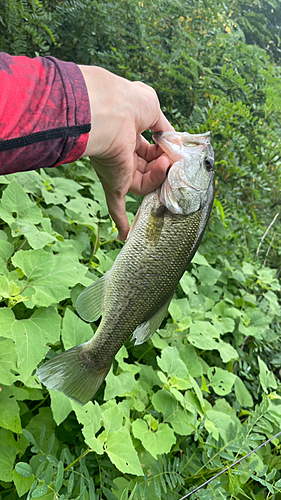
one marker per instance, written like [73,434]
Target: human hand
[124,161]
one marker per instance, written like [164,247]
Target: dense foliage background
[205,389]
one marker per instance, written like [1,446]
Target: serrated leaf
[49,277]
[157,442]
[122,453]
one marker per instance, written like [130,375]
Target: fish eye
[209,162]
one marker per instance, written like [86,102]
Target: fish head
[186,187]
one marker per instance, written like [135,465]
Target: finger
[162,124]
[144,183]
[146,150]
[117,210]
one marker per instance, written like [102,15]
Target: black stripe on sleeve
[45,135]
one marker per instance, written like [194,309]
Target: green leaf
[118,385]
[40,491]
[122,453]
[180,419]
[22,484]
[49,276]
[74,330]
[43,419]
[171,363]
[61,406]
[16,204]
[8,362]
[266,377]
[205,336]
[59,477]
[207,275]
[23,469]
[90,417]
[31,337]
[157,442]
[243,396]
[9,413]
[35,237]
[7,458]
[221,380]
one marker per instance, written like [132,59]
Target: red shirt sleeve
[44,113]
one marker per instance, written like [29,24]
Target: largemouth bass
[133,297]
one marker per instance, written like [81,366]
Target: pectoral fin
[90,302]
[144,331]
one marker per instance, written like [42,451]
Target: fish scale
[133,297]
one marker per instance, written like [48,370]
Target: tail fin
[73,373]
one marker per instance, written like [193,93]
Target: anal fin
[145,330]
[90,302]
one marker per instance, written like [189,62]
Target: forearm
[44,113]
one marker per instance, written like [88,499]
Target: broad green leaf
[9,413]
[243,396]
[180,419]
[61,406]
[181,313]
[35,237]
[7,458]
[118,385]
[220,423]
[200,260]
[49,276]
[16,205]
[74,330]
[112,418]
[89,416]
[8,288]
[191,360]
[8,362]
[82,210]
[221,380]
[22,484]
[273,303]
[157,442]
[171,363]
[207,275]
[31,337]
[6,250]
[266,377]
[122,453]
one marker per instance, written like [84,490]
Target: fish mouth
[175,144]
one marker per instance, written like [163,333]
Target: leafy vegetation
[205,390]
